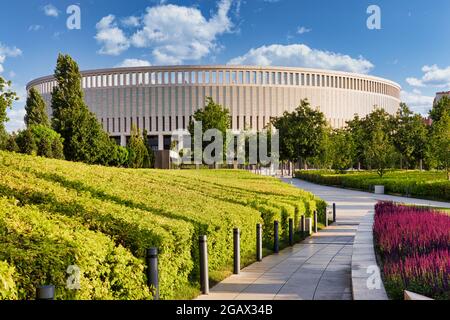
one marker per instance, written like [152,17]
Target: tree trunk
[359,165]
[421,165]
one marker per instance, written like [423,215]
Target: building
[440,95]
[163,99]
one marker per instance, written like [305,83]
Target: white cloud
[8,52]
[174,33]
[300,55]
[302,30]
[51,11]
[16,119]
[417,101]
[35,27]
[177,33]
[111,37]
[131,21]
[433,76]
[133,63]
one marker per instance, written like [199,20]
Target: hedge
[138,209]
[429,185]
[8,289]
[42,246]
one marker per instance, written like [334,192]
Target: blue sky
[412,47]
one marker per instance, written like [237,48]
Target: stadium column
[160,142]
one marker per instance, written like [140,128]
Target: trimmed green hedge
[139,209]
[8,289]
[42,246]
[429,185]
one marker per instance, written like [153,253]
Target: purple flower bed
[414,246]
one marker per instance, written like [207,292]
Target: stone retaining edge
[365,269]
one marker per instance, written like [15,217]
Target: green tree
[212,116]
[150,160]
[438,150]
[358,135]
[302,132]
[342,149]
[7,97]
[410,136]
[84,138]
[11,144]
[137,151]
[35,109]
[440,108]
[49,143]
[26,142]
[379,151]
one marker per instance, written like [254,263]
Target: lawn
[420,184]
[56,213]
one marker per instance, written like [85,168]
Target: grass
[138,209]
[420,184]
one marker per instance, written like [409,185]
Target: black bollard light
[45,292]
[276,240]
[315,222]
[237,251]
[152,272]
[204,276]
[259,242]
[302,225]
[291,232]
[334,212]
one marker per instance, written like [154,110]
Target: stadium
[162,100]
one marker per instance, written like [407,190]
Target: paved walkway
[319,268]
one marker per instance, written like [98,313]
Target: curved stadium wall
[163,99]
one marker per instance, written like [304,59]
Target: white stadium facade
[163,99]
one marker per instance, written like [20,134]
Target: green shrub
[8,289]
[426,184]
[139,209]
[42,246]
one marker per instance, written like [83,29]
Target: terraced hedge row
[420,184]
[121,213]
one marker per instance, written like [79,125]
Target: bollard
[302,225]
[308,226]
[45,292]
[204,277]
[276,244]
[237,251]
[326,218]
[259,242]
[291,232]
[152,272]
[315,221]
[334,212]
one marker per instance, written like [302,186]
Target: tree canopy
[84,138]
[301,132]
[35,109]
